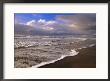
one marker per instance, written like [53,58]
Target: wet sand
[85,59]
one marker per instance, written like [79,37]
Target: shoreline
[72,53]
[86,58]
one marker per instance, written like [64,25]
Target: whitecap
[72,53]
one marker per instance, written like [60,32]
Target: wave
[91,45]
[72,53]
[29,44]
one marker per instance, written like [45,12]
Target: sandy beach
[55,40]
[85,59]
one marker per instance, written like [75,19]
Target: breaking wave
[72,53]
[48,46]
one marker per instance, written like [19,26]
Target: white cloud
[41,20]
[30,23]
[46,22]
[78,24]
[50,22]
[42,24]
[48,28]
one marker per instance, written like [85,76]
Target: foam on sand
[91,45]
[72,53]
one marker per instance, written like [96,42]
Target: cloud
[41,21]
[63,24]
[30,23]
[82,19]
[79,23]
[35,26]
[42,24]
[48,28]
[50,22]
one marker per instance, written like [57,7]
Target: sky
[55,23]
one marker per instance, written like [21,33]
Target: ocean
[36,51]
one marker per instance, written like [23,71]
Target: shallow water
[36,52]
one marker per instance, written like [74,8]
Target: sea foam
[72,53]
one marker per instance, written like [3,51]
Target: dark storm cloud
[82,22]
